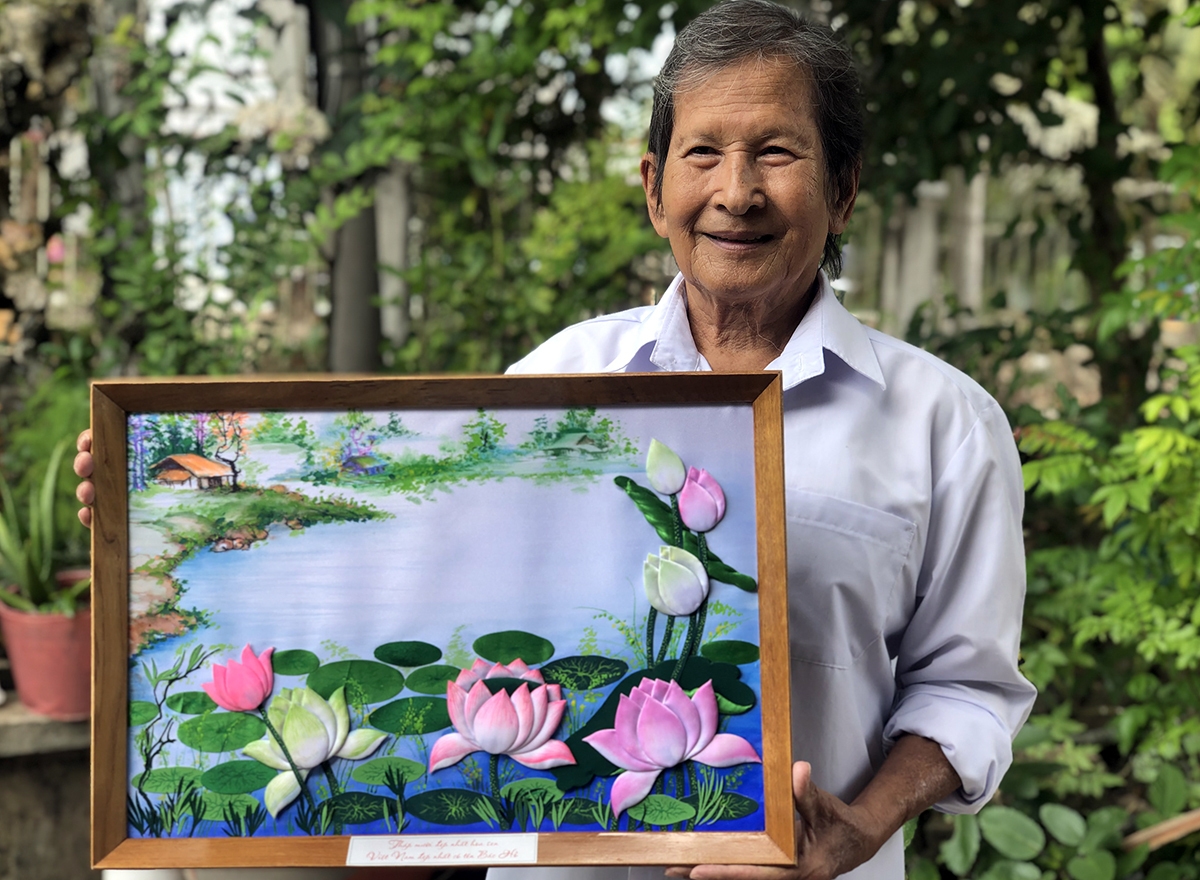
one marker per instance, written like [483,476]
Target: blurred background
[230,187]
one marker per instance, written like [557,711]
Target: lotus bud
[701,501]
[664,469]
[676,583]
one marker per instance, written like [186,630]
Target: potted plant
[44,617]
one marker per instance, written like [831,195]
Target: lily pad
[660,809]
[534,787]
[376,772]
[220,731]
[729,806]
[411,716]
[360,808]
[191,703]
[730,651]
[446,806]
[365,681]
[237,777]
[141,712]
[166,780]
[432,679]
[294,662]
[408,653]
[218,806]
[584,673]
[513,644]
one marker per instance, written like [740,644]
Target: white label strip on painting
[444,849]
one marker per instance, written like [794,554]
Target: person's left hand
[832,837]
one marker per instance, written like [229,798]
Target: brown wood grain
[110,626]
[113,400]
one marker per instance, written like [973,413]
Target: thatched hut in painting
[187,470]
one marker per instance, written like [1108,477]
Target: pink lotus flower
[701,501]
[242,687]
[657,727]
[519,725]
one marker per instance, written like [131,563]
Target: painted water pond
[378,622]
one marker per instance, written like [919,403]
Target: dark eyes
[711,152]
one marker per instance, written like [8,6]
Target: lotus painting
[431,621]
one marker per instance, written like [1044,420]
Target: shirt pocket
[844,562]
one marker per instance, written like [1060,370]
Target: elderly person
[903,485]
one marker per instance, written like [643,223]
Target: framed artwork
[535,620]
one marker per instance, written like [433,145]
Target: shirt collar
[826,326]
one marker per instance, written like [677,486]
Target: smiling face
[745,202]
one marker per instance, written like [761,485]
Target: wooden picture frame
[710,420]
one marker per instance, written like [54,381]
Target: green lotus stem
[494,779]
[334,791]
[651,622]
[683,655]
[312,804]
[676,520]
[692,789]
[668,631]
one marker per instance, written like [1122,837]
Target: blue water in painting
[550,558]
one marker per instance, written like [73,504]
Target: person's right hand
[85,491]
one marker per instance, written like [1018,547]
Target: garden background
[220,187]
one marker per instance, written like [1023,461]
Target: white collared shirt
[905,556]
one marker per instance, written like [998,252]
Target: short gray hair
[738,30]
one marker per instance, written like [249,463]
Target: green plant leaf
[365,681]
[237,777]
[1168,792]
[294,662]
[536,786]
[191,703]
[408,653]
[376,772]
[411,716]
[513,644]
[730,651]
[432,679]
[445,806]
[728,807]
[1104,827]
[141,712]
[1067,826]
[584,673]
[1098,865]
[960,851]
[660,809]
[220,731]
[1007,869]
[1013,834]
[922,868]
[1165,871]
[216,805]
[360,808]
[166,780]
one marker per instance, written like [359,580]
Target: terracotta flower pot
[51,657]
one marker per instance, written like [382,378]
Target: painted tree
[229,430]
[141,433]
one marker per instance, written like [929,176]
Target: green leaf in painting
[412,716]
[141,711]
[582,811]
[729,806]
[358,807]
[432,679]
[660,809]
[165,780]
[1065,825]
[294,662]
[513,644]
[191,703]
[376,772]
[1098,865]
[535,786]
[408,653]
[216,805]
[365,681]
[237,777]
[220,731]
[960,851]
[584,673]
[1013,834]
[445,806]
[730,651]
[1168,792]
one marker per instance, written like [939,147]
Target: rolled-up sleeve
[956,667]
